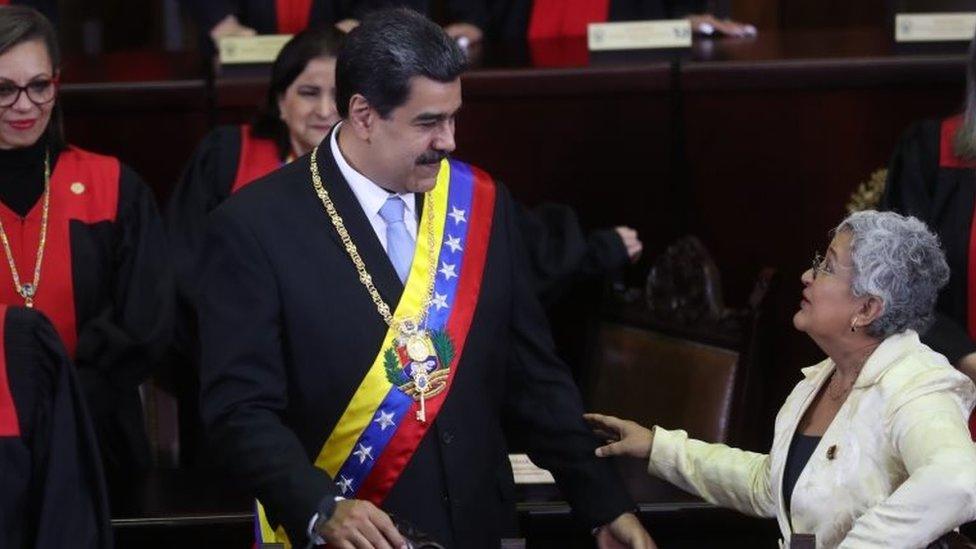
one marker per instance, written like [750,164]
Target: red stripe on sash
[398,452]
[559,18]
[259,157]
[9,425]
[293,15]
[85,188]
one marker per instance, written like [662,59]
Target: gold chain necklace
[844,390]
[408,328]
[28,291]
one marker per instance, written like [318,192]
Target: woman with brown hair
[82,242]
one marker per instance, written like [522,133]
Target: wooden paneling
[148,108]
[776,142]
[587,141]
[805,14]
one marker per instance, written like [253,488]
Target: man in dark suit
[368,325]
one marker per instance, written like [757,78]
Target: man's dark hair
[19,24]
[307,45]
[390,47]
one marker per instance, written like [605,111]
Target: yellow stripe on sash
[375,386]
[268,534]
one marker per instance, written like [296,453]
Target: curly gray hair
[898,260]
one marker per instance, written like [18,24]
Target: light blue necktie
[399,243]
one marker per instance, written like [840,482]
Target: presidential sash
[405,388]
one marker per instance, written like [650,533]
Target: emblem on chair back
[684,285]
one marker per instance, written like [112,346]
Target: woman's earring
[854,325]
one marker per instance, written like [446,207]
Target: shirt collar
[370,195]
[892,349]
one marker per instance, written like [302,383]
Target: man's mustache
[432,157]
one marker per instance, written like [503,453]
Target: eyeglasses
[819,265]
[40,92]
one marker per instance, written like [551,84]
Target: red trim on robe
[97,177]
[9,424]
[560,18]
[948,159]
[258,158]
[293,15]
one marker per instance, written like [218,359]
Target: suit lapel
[360,230]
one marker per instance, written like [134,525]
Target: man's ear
[361,117]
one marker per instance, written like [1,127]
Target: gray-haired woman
[871,448]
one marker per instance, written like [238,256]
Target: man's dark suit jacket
[288,332]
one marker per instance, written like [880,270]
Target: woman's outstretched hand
[624,438]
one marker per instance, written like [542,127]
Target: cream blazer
[895,468]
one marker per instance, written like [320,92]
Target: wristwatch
[327,506]
[323,513]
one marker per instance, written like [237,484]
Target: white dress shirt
[895,468]
[371,196]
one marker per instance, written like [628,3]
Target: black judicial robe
[560,255]
[943,196]
[287,332]
[106,283]
[211,175]
[52,492]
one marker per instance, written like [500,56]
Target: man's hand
[709,25]
[631,241]
[358,524]
[624,532]
[625,438]
[230,26]
[346,25]
[967,365]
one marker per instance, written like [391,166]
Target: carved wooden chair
[675,355]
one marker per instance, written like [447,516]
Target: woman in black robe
[82,243]
[932,176]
